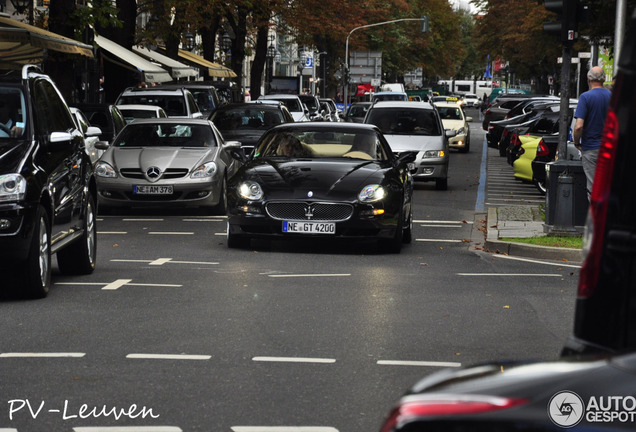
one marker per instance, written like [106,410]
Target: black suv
[47,188]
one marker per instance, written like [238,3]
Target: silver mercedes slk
[166,162]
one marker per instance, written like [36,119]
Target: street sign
[309,62]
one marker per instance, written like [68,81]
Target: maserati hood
[301,179]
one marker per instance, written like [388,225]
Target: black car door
[61,155]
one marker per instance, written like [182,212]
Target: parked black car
[107,117]
[523,112]
[500,106]
[47,187]
[592,387]
[246,122]
[205,94]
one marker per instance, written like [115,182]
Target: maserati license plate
[309,227]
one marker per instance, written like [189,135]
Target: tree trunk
[258,65]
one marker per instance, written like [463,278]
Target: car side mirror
[469,119]
[449,133]
[93,131]
[406,157]
[102,145]
[238,154]
[232,145]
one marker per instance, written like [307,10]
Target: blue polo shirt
[592,108]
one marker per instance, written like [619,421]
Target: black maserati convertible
[322,180]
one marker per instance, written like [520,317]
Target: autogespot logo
[566,409]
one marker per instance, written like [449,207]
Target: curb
[494,245]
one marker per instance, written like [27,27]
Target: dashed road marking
[512,274]
[309,275]
[439,240]
[283,429]
[418,363]
[169,356]
[170,233]
[127,429]
[293,359]
[42,355]
[118,284]
[162,261]
[537,261]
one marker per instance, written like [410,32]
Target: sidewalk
[521,221]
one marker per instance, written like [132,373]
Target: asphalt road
[175,332]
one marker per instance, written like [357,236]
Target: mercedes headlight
[12,187]
[372,193]
[250,190]
[103,169]
[206,170]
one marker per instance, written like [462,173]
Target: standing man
[590,119]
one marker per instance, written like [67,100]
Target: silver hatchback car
[166,162]
[415,126]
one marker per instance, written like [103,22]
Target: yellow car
[453,118]
[522,166]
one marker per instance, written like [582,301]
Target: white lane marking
[142,220]
[169,356]
[162,261]
[309,275]
[438,240]
[170,233]
[118,284]
[511,274]
[42,355]
[221,234]
[283,429]
[441,221]
[441,226]
[203,220]
[418,363]
[294,359]
[126,429]
[537,261]
[8,430]
[112,232]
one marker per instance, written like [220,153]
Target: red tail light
[504,133]
[599,200]
[515,140]
[445,405]
[488,111]
[542,149]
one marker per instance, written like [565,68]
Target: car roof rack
[30,68]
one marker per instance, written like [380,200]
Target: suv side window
[192,105]
[51,112]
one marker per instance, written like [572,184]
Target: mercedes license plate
[309,227]
[152,190]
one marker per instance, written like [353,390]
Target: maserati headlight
[103,169]
[371,193]
[251,190]
[12,187]
[206,170]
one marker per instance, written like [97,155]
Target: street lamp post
[346,86]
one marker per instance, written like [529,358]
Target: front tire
[441,183]
[79,257]
[236,241]
[394,245]
[37,268]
